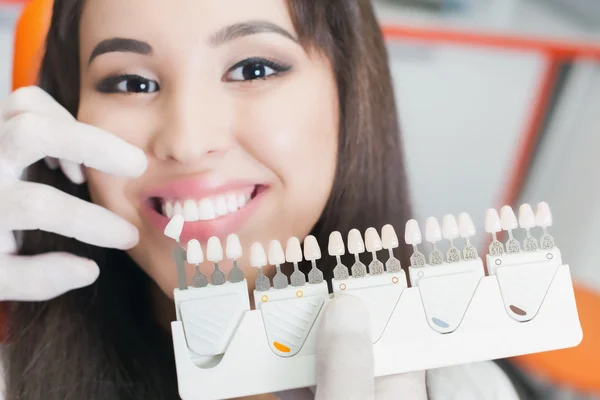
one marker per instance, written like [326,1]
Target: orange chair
[573,368]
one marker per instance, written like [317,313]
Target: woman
[268,118]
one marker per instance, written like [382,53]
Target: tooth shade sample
[389,238]
[194,252]
[174,227]
[214,251]
[543,215]
[466,227]
[526,217]
[449,227]
[276,255]
[508,219]
[412,234]
[258,257]
[372,240]
[233,248]
[311,248]
[492,221]
[293,251]
[433,231]
[336,244]
[355,242]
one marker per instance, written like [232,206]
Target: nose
[194,126]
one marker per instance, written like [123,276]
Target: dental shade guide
[452,314]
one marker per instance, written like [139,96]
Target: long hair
[102,341]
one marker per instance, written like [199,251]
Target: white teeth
[388,237]
[214,251]
[194,252]
[190,210]
[276,254]
[206,210]
[232,203]
[233,247]
[372,240]
[293,252]
[221,206]
[312,251]
[174,227]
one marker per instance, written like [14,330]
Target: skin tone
[189,102]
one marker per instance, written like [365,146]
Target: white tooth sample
[356,246]
[433,234]
[221,206]
[190,210]
[466,229]
[276,254]
[214,254]
[543,218]
[232,204]
[277,257]
[194,252]
[527,221]
[336,248]
[373,245]
[177,208]
[174,227]
[214,251]
[509,221]
[293,254]
[389,241]
[389,238]
[241,201]
[413,237]
[312,252]
[233,251]
[258,259]
[233,247]
[206,210]
[168,209]
[450,232]
[493,226]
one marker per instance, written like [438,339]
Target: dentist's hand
[345,359]
[33,126]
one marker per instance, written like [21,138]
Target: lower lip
[203,230]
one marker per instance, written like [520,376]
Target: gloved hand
[33,126]
[345,358]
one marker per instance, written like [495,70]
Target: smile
[204,209]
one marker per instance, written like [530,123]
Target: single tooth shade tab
[526,217]
[293,251]
[389,239]
[433,231]
[492,221]
[258,257]
[508,219]
[233,248]
[412,234]
[312,251]
[336,244]
[466,227]
[174,227]
[372,240]
[450,227]
[194,252]
[214,251]
[356,245]
[543,215]
[276,255]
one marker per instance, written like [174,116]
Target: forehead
[183,21]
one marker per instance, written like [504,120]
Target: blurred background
[499,103]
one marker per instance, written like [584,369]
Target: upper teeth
[205,209]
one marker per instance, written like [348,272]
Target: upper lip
[198,188]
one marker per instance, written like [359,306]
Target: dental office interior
[499,104]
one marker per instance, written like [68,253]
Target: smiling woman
[268,118]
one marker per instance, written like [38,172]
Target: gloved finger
[27,138]
[345,351]
[51,162]
[38,206]
[74,172]
[32,99]
[43,277]
[8,243]
[409,386]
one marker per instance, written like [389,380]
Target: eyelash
[111,83]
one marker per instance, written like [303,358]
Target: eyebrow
[122,45]
[247,28]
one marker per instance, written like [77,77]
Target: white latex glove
[345,358]
[33,126]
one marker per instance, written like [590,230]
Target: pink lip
[201,188]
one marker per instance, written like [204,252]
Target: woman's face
[238,121]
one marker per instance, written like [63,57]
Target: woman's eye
[251,69]
[128,84]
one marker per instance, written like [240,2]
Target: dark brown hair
[97,343]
